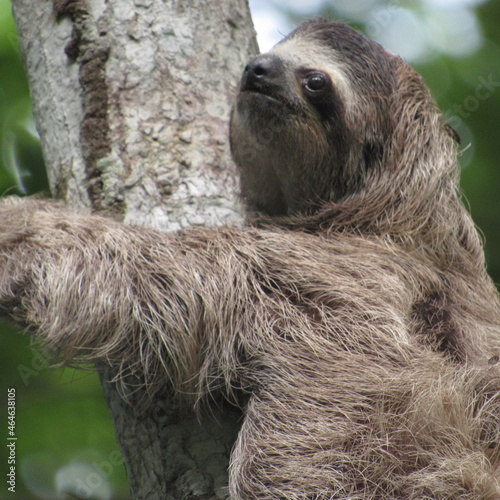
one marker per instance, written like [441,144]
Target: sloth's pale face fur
[302,105]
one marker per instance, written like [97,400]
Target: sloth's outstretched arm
[316,332]
[90,288]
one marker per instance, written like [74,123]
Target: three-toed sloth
[353,310]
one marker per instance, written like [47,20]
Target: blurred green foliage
[61,419]
[61,416]
[21,165]
[481,179]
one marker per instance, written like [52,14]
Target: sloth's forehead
[303,52]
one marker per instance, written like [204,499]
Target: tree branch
[131,102]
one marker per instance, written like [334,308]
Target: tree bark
[132,101]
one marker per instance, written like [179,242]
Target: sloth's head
[316,118]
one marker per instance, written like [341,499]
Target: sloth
[353,310]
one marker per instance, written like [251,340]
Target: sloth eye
[315,82]
[318,91]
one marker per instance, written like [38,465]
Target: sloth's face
[297,128]
[298,79]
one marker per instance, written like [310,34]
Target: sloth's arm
[91,288]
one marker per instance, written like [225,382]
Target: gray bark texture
[132,100]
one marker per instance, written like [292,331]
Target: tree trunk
[132,100]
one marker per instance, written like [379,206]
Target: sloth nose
[259,71]
[260,66]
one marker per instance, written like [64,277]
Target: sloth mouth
[258,97]
[262,94]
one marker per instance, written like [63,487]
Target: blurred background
[63,429]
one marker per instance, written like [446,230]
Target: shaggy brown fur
[356,314]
